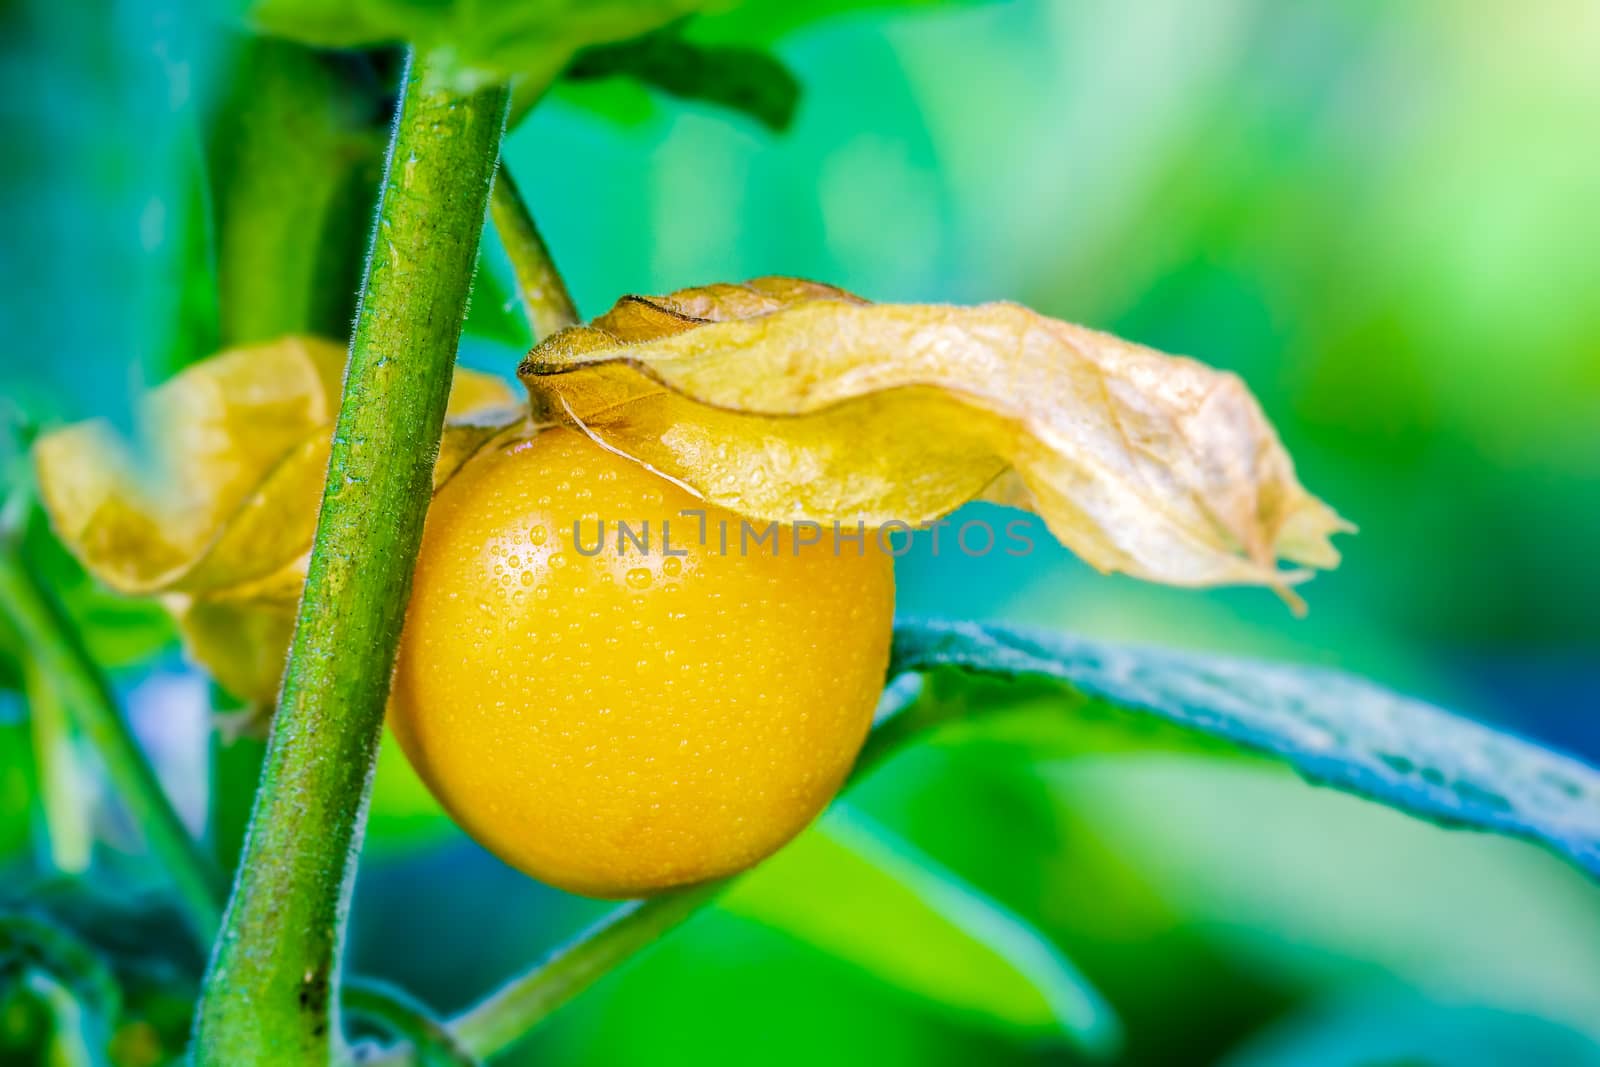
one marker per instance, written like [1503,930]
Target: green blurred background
[1384,216]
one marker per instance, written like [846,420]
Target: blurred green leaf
[858,892]
[14,482]
[141,943]
[1394,1027]
[19,785]
[31,942]
[404,816]
[295,151]
[764,21]
[1322,891]
[188,325]
[1334,729]
[745,80]
[533,38]
[139,933]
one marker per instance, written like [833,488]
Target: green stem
[270,995]
[544,295]
[60,653]
[406,1018]
[907,707]
[509,1013]
[61,785]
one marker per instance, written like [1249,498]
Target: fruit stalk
[271,992]
[543,293]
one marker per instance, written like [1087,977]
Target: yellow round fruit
[623,721]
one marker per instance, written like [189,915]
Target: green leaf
[859,893]
[138,942]
[30,942]
[295,152]
[746,80]
[481,42]
[1387,1026]
[19,782]
[764,21]
[1333,729]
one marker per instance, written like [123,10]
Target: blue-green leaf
[858,892]
[1333,729]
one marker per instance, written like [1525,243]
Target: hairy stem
[59,652]
[270,995]
[544,295]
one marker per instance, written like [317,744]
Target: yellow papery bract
[214,506]
[783,399]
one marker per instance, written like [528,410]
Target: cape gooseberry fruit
[655,712]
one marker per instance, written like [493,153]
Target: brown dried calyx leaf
[785,399]
[214,507]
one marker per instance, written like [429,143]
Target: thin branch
[60,653]
[271,992]
[544,295]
